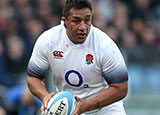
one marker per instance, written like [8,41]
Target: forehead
[84,12]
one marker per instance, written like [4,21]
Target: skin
[38,89]
[114,93]
[77,26]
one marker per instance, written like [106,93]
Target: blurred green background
[134,25]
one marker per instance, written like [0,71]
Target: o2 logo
[79,76]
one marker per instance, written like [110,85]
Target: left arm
[115,73]
[114,93]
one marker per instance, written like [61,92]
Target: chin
[80,41]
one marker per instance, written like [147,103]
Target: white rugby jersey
[83,69]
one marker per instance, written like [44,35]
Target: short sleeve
[38,63]
[114,68]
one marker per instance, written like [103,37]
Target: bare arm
[114,93]
[37,88]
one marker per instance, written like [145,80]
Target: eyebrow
[76,17]
[88,16]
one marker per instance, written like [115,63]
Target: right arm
[37,87]
[37,67]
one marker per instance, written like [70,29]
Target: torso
[76,67]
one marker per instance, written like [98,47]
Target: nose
[82,26]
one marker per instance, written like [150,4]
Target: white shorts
[113,109]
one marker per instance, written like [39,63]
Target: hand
[81,106]
[45,103]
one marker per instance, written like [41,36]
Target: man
[84,61]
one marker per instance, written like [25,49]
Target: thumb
[77,98]
[52,94]
[77,106]
[46,103]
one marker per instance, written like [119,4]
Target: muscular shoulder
[51,35]
[99,39]
[47,38]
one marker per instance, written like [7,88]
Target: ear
[64,21]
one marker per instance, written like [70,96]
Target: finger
[42,110]
[77,98]
[52,94]
[77,109]
[46,105]
[46,102]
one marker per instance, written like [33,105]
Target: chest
[77,58]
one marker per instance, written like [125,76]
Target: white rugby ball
[62,103]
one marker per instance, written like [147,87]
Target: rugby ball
[62,103]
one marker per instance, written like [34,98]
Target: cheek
[73,29]
[89,26]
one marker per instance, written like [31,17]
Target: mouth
[82,35]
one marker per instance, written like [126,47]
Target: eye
[76,21]
[87,20]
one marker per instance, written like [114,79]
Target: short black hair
[77,4]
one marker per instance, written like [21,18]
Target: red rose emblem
[89,59]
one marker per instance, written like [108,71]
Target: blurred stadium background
[133,24]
